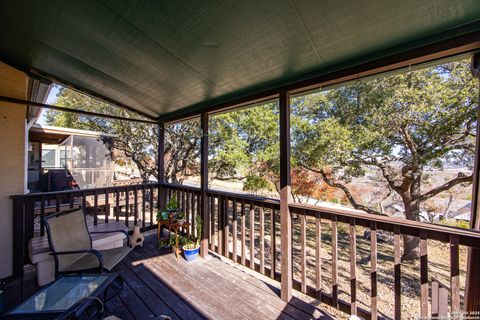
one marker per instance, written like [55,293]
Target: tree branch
[345,190]
[444,187]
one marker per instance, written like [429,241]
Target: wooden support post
[204,211]
[18,236]
[161,165]
[285,183]
[472,285]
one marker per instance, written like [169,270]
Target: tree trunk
[411,243]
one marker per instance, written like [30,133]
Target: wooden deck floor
[157,284]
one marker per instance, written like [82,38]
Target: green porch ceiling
[170,57]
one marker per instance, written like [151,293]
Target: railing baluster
[192,223]
[397,271]
[212,223]
[107,206]
[127,206]
[42,213]
[353,268]
[423,275]
[334,262]
[252,236]
[135,205]
[29,222]
[454,273]
[226,237]
[273,250]
[242,232]
[318,256]
[183,200]
[177,195]
[234,229]
[373,268]
[303,251]
[220,225]
[199,209]
[57,203]
[143,206]
[95,207]
[117,205]
[187,211]
[262,240]
[151,206]
[19,236]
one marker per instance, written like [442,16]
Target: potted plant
[167,242]
[171,211]
[191,246]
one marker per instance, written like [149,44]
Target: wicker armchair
[71,245]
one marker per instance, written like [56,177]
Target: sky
[52,96]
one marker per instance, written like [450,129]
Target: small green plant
[192,242]
[167,242]
[171,206]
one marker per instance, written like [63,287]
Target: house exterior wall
[13,83]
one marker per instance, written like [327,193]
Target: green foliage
[172,203]
[138,141]
[167,242]
[171,206]
[244,144]
[254,183]
[401,125]
[190,243]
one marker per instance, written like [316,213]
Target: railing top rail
[246,197]
[407,227]
[80,191]
[180,187]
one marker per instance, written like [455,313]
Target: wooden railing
[246,229]
[128,203]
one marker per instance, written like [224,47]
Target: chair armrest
[97,254]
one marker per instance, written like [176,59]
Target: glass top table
[62,294]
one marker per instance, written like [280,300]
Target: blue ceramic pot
[191,254]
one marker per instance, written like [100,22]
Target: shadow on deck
[157,284]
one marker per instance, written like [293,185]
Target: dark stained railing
[129,203]
[246,229]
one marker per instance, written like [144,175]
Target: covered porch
[262,257]
[155,284]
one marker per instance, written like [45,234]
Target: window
[48,158]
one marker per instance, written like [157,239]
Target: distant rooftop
[51,134]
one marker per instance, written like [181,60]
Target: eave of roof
[169,59]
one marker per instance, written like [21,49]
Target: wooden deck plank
[235,292]
[117,308]
[134,304]
[202,297]
[155,283]
[160,289]
[297,308]
[155,305]
[241,294]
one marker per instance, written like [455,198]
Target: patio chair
[71,245]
